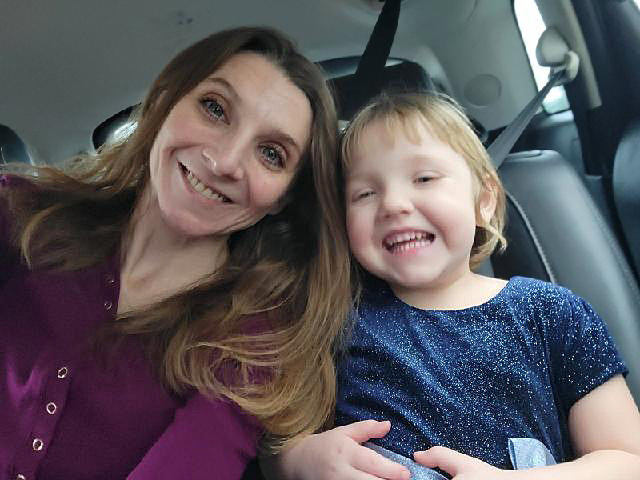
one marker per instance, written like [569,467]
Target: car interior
[72,72]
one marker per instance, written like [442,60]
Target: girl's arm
[336,454]
[605,434]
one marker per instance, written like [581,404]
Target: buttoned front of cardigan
[70,411]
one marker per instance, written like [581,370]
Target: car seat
[556,233]
[626,189]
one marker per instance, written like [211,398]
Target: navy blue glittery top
[471,379]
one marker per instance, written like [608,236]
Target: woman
[168,306]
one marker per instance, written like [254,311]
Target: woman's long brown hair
[293,266]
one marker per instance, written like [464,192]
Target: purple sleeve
[207,439]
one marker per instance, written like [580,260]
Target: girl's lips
[398,242]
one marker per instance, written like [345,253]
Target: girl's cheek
[357,234]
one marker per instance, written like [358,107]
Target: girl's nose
[395,203]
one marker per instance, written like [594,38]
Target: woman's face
[229,149]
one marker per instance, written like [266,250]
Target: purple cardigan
[67,414]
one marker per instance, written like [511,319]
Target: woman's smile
[199,186]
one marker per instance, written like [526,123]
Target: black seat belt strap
[375,55]
[374,58]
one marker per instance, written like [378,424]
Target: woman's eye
[273,155]
[213,108]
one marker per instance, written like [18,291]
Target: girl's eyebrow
[430,157]
[357,178]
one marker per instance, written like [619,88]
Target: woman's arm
[605,433]
[208,439]
[336,454]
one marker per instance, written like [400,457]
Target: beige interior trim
[561,15]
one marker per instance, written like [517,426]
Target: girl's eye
[213,108]
[363,195]
[273,155]
[423,179]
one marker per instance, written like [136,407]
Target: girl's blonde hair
[444,118]
[293,267]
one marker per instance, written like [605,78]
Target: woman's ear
[487,201]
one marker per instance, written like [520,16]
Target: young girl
[459,363]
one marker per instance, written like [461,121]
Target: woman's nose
[226,161]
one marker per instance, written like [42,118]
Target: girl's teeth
[405,241]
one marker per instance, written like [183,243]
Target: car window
[531,27]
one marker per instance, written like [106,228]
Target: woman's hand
[337,454]
[458,465]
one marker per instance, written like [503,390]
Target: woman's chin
[185,225]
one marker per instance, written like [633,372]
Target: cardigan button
[108,305]
[20,477]
[51,408]
[62,372]
[37,444]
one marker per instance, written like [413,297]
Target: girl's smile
[407,241]
[411,213]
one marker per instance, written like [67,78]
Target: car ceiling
[66,66]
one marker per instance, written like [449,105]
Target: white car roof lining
[74,64]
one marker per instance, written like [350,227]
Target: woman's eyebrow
[224,84]
[287,139]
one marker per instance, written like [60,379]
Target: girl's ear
[487,201]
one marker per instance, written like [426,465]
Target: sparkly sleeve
[584,354]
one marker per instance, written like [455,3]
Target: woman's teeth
[201,188]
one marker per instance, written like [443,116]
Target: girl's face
[410,209]
[229,149]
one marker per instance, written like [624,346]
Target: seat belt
[374,58]
[551,51]
[376,53]
[369,74]
[502,145]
